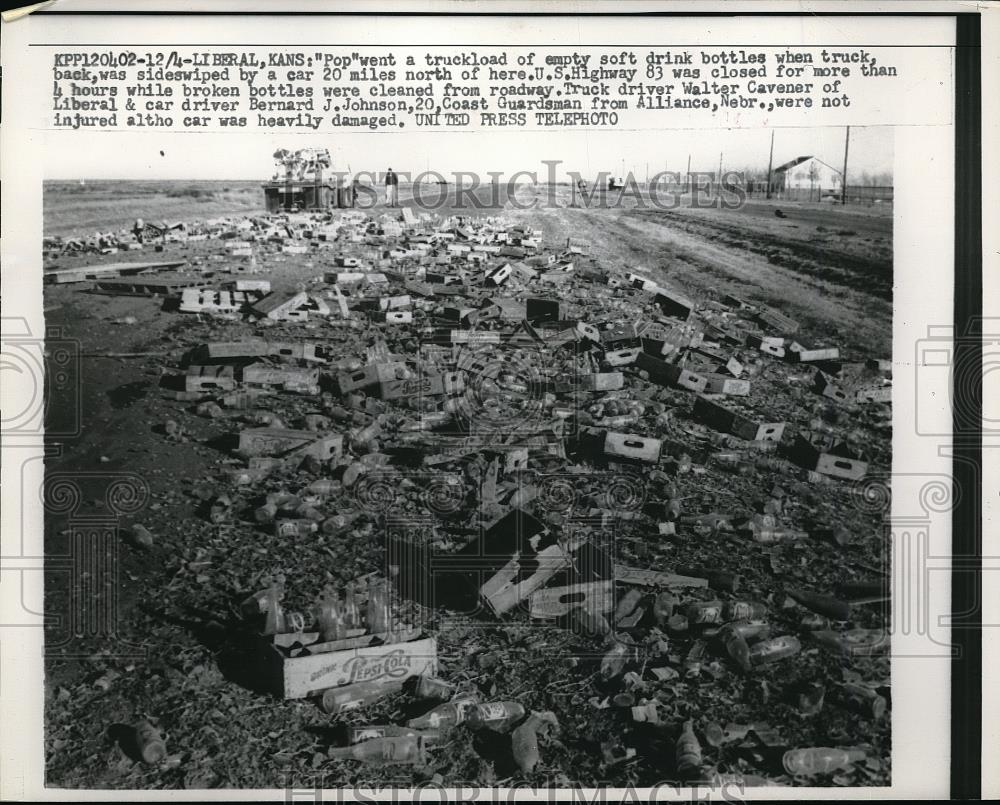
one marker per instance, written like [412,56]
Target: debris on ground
[493,510]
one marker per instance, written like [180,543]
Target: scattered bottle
[274,614]
[743,610]
[329,618]
[357,735]
[149,741]
[663,607]
[352,615]
[295,622]
[429,687]
[688,752]
[323,487]
[751,629]
[498,716]
[377,609]
[863,700]
[715,736]
[736,647]
[704,612]
[777,648]
[820,760]
[353,697]
[614,661]
[410,749]
[813,621]
[294,528]
[446,715]
[339,523]
[854,642]
[767,535]
[695,657]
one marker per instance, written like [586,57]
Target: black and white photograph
[415,404]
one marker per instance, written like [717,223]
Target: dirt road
[834,277]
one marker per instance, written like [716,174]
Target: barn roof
[799,161]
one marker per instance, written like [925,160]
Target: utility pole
[770,162]
[719,177]
[843,176]
[689,174]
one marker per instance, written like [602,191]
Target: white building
[807,173]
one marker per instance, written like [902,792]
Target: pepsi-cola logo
[394,665]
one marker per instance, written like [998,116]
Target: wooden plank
[655,578]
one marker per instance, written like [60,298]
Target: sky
[153,155]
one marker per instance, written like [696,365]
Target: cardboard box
[728,421]
[824,385]
[812,355]
[816,452]
[369,375]
[386,658]
[428,385]
[632,447]
[673,304]
[502,592]
[263,375]
[875,395]
[556,602]
[257,442]
[619,334]
[778,321]
[209,378]
[543,310]
[667,374]
[622,357]
[726,384]
[602,381]
[478,337]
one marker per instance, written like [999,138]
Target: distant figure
[138,229]
[354,192]
[611,183]
[391,188]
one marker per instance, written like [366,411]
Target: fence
[856,194]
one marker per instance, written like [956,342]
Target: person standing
[391,189]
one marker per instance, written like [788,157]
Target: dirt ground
[171,656]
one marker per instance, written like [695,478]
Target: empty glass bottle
[820,760]
[402,749]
